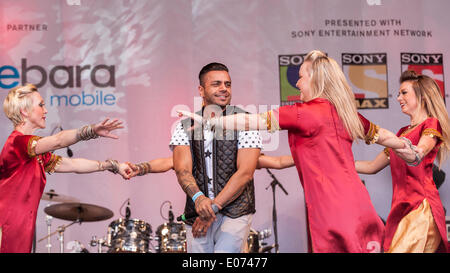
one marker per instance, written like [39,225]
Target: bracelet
[196,195]
[416,161]
[114,166]
[86,132]
[417,158]
[143,168]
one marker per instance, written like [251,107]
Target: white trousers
[225,235]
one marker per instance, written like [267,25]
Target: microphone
[127,210]
[193,214]
[69,151]
[171,216]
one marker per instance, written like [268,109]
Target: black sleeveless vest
[224,157]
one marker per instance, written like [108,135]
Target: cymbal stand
[60,230]
[49,230]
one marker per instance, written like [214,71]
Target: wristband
[196,195]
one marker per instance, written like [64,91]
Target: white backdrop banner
[139,61]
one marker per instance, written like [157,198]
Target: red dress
[22,181]
[412,185]
[340,215]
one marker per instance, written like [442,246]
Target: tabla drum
[129,235]
[171,238]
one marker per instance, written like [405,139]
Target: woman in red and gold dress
[25,158]
[416,222]
[321,130]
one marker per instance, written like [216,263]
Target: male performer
[215,169]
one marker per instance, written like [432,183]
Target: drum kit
[126,235]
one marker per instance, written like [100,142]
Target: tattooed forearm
[236,195]
[187,182]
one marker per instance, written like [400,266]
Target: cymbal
[56,197]
[79,211]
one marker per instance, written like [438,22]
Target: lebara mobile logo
[66,78]
[425,64]
[367,75]
[288,68]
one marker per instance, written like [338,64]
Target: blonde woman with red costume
[26,157]
[416,222]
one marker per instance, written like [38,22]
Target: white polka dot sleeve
[249,139]
[179,137]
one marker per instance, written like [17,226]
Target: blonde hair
[328,81]
[18,99]
[430,98]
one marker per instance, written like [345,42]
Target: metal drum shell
[171,238]
[129,235]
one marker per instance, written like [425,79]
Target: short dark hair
[211,67]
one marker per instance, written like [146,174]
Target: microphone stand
[274,184]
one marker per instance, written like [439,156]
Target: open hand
[195,117]
[105,127]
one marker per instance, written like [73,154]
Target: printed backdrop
[139,60]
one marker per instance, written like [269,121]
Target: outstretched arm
[389,139]
[237,122]
[275,162]
[81,165]
[374,166]
[159,165]
[375,134]
[68,137]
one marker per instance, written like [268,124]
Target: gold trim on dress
[53,163]
[373,134]
[387,152]
[31,146]
[432,133]
[271,122]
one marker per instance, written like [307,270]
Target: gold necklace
[412,126]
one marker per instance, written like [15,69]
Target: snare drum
[129,235]
[171,238]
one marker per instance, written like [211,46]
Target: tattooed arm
[182,163]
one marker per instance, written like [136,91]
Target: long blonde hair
[328,81]
[430,98]
[18,99]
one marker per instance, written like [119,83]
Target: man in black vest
[215,169]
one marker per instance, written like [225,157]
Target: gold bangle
[143,168]
[86,132]
[114,166]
